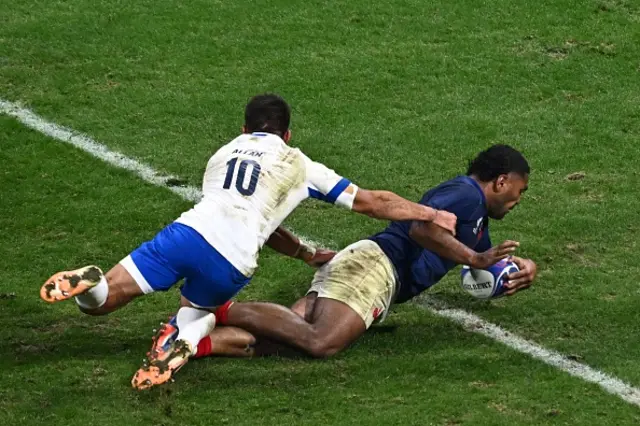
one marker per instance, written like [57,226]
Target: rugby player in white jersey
[250,186]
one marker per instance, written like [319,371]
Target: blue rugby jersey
[418,268]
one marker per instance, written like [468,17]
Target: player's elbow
[369,203]
[364,202]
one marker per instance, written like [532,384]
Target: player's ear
[244,129]
[287,136]
[500,183]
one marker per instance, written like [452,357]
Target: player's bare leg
[333,325]
[227,341]
[265,347]
[96,293]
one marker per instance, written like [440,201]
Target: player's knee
[323,348]
[299,309]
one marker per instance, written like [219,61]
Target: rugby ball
[487,283]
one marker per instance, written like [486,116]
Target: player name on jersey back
[249,152]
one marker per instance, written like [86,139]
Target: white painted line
[476,324]
[469,321]
[96,149]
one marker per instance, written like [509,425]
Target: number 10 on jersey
[240,178]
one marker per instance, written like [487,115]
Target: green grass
[395,94]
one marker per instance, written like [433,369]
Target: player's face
[508,190]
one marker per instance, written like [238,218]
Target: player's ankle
[94,298]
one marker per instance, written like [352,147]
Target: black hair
[267,113]
[498,160]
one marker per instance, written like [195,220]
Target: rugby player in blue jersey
[357,287]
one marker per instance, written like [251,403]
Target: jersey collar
[267,135]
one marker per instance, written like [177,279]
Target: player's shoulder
[460,195]
[309,164]
[231,145]
[462,186]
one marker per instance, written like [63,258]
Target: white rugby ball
[487,283]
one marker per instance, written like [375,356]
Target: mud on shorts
[362,277]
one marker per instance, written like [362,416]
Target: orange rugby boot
[163,338]
[162,368]
[67,284]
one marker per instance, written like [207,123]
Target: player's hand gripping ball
[487,283]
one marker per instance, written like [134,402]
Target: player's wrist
[432,214]
[428,214]
[476,260]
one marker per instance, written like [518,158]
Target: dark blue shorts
[177,252]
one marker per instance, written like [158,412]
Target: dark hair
[498,160]
[267,113]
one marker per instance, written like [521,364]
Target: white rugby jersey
[250,186]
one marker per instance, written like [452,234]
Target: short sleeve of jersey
[467,203]
[326,185]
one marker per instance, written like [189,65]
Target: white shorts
[362,277]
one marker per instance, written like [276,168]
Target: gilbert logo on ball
[487,283]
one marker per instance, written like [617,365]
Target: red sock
[221,313]
[204,347]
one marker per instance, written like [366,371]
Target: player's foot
[67,284]
[162,340]
[161,369]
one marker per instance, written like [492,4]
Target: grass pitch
[396,95]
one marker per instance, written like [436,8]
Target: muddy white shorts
[362,277]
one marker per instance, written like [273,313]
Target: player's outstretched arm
[446,245]
[286,243]
[390,206]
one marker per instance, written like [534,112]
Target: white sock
[95,296]
[188,314]
[194,325]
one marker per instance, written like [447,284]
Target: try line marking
[468,321]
